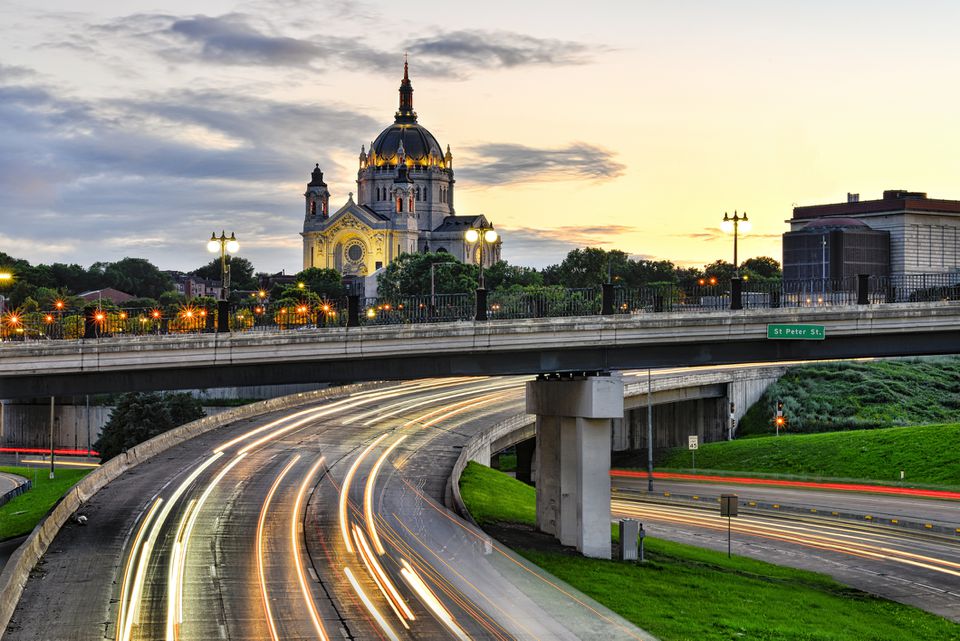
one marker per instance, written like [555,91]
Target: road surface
[912,566]
[323,522]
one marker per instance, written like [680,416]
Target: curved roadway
[322,522]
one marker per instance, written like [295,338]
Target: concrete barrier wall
[17,491]
[17,570]
[478,449]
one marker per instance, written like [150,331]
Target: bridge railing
[98,322]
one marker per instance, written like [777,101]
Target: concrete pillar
[548,473]
[525,451]
[573,457]
[592,487]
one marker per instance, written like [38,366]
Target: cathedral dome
[419,145]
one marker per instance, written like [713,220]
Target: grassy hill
[927,453]
[682,593]
[823,397]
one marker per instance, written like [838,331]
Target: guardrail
[94,322]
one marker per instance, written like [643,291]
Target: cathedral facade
[404,204]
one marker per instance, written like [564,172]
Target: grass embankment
[927,454]
[684,593]
[23,512]
[825,397]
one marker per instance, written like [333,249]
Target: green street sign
[796,332]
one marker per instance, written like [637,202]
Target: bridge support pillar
[573,457]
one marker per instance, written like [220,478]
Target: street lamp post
[485,236]
[5,278]
[733,224]
[223,245]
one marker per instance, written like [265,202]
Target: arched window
[399,204]
[313,208]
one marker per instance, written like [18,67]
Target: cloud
[231,40]
[487,49]
[154,172]
[254,39]
[497,163]
[542,247]
[711,234]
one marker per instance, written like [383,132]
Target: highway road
[326,522]
[323,522]
[913,566]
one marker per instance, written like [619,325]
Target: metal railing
[545,302]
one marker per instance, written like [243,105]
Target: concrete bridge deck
[527,346]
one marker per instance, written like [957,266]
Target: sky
[137,128]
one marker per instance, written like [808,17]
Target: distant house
[108,293]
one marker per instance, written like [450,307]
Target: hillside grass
[685,593]
[825,397]
[22,513]
[927,454]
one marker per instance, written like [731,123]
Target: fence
[546,302]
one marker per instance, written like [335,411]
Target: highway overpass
[468,348]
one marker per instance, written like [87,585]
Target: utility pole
[649,431]
[51,437]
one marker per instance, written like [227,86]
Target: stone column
[573,457]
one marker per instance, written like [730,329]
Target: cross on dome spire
[406,114]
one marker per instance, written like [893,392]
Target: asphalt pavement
[325,521]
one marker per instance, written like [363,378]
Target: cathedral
[404,204]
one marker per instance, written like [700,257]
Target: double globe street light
[223,245]
[733,224]
[485,236]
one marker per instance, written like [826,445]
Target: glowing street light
[223,245]
[485,236]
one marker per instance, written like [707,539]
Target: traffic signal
[779,407]
[781,421]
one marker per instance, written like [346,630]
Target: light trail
[371,608]
[368,495]
[818,485]
[397,408]
[268,612]
[379,575]
[350,401]
[59,463]
[174,577]
[143,562]
[297,559]
[178,560]
[831,538]
[430,600]
[128,568]
[345,492]
[453,409]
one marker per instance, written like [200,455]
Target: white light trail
[430,600]
[260,527]
[298,562]
[372,609]
[345,492]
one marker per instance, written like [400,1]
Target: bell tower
[317,196]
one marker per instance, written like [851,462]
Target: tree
[721,270]
[241,272]
[409,275]
[136,276]
[326,283]
[587,267]
[502,275]
[762,267]
[139,417]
